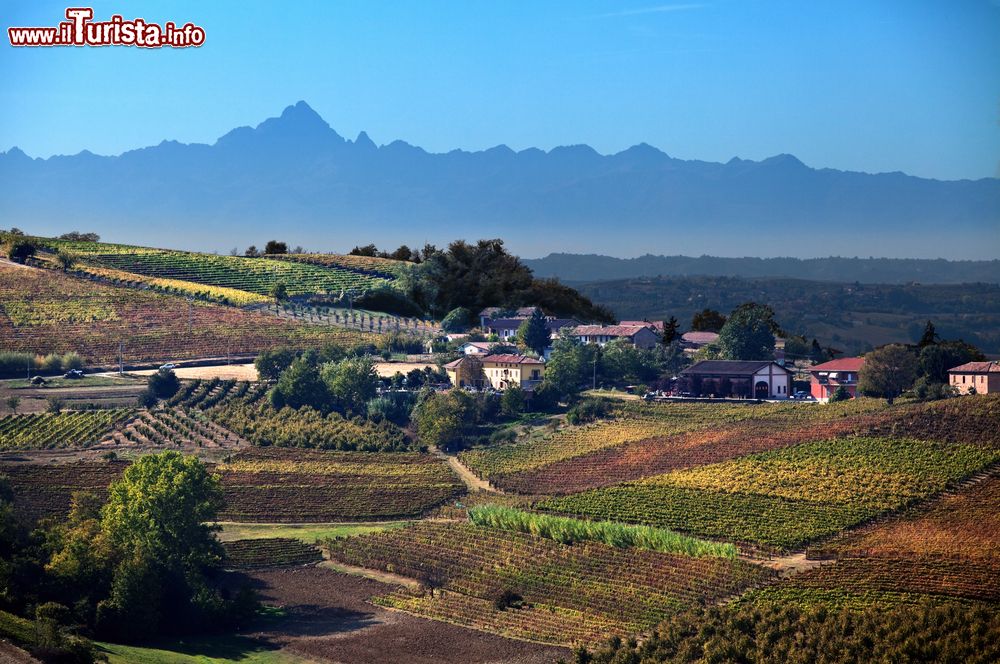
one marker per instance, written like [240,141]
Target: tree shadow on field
[226,647]
[311,620]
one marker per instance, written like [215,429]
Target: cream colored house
[503,371]
[496,371]
[975,378]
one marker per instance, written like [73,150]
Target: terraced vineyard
[290,485]
[788,497]
[569,593]
[43,490]
[40,431]
[380,267]
[647,439]
[251,275]
[305,427]
[175,427]
[270,552]
[219,294]
[44,311]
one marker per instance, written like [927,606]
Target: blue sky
[908,85]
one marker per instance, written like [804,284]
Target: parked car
[802,395]
[167,366]
[73,373]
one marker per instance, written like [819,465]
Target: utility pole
[121,358]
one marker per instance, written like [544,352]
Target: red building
[827,377]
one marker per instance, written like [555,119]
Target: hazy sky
[908,85]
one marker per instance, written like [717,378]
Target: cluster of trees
[455,419]
[574,366]
[403,253]
[470,277]
[774,633]
[343,386]
[893,369]
[142,564]
[272,247]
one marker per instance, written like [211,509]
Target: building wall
[985,383]
[779,383]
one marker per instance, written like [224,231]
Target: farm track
[471,480]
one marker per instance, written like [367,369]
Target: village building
[496,371]
[736,379]
[826,378]
[493,313]
[506,328]
[477,347]
[656,325]
[975,378]
[640,336]
[692,341]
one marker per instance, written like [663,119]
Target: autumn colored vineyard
[541,584]
[270,552]
[44,311]
[787,497]
[49,430]
[291,485]
[251,275]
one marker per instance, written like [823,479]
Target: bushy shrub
[13,363]
[53,363]
[72,360]
[588,410]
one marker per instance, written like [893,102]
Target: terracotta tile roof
[841,364]
[512,359]
[977,367]
[700,337]
[608,330]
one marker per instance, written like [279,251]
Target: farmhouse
[731,378]
[641,336]
[975,378]
[496,371]
[827,377]
[656,325]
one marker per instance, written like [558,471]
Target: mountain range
[593,267]
[294,178]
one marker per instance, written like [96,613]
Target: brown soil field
[389,369]
[329,619]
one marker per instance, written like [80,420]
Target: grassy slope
[309,533]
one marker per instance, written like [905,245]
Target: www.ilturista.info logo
[80,30]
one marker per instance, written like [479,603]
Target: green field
[201,650]
[310,533]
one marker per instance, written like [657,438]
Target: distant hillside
[848,316]
[593,267]
[296,174]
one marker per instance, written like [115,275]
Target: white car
[169,365]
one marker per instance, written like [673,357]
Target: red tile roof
[512,359]
[977,367]
[841,364]
[700,337]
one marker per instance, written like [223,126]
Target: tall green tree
[748,333]
[162,548]
[671,330]
[936,359]
[351,383]
[888,372]
[300,385]
[533,333]
[929,337]
[569,366]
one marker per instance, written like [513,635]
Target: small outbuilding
[975,378]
